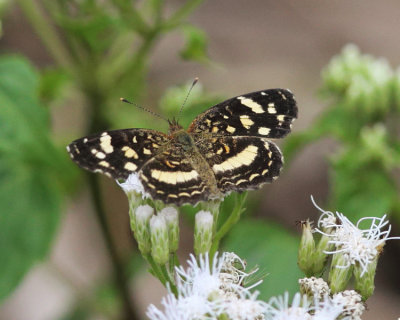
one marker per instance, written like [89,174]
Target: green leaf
[196,44]
[361,189]
[32,171]
[273,249]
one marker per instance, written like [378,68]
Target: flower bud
[203,230]
[353,306]
[159,240]
[171,217]
[340,272]
[364,279]
[306,249]
[320,256]
[314,288]
[140,227]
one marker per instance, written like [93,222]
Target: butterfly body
[226,148]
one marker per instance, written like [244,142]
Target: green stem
[155,270]
[229,223]
[120,278]
[171,283]
[44,29]
[177,18]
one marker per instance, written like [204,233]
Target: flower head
[205,292]
[133,185]
[359,246]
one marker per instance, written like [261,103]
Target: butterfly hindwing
[117,153]
[171,178]
[242,163]
[267,113]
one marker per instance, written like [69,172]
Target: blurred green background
[65,245]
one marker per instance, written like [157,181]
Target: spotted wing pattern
[117,153]
[267,113]
[225,149]
[242,163]
[171,178]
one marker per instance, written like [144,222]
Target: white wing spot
[105,143]
[104,164]
[174,177]
[85,140]
[130,166]
[271,108]
[230,129]
[243,158]
[263,94]
[246,121]
[253,176]
[146,151]
[129,152]
[254,106]
[100,155]
[264,131]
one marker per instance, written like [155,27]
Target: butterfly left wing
[117,153]
[268,113]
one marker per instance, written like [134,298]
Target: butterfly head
[174,126]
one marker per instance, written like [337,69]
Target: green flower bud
[141,227]
[364,280]
[340,272]
[320,257]
[306,249]
[203,231]
[171,217]
[159,239]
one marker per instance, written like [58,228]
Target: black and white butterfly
[226,148]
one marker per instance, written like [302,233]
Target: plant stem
[120,278]
[177,18]
[229,223]
[40,23]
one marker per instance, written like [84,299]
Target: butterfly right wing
[117,153]
[268,114]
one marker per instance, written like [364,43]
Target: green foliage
[34,173]
[196,45]
[363,116]
[273,249]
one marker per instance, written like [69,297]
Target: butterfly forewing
[117,153]
[267,113]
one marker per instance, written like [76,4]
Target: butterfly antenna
[143,108]
[187,96]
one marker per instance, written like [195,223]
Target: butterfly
[226,148]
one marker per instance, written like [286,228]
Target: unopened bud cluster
[157,235]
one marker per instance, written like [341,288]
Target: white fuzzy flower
[279,308]
[327,309]
[133,184]
[204,294]
[359,246]
[199,278]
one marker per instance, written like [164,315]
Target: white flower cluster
[207,292]
[359,246]
[217,292]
